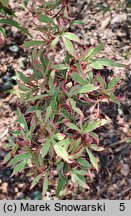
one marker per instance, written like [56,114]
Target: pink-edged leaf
[78,179]
[88,88]
[45,184]
[36,180]
[95,137]
[55,41]
[7,158]
[112,83]
[69,46]
[19,167]
[72,126]
[83,162]
[33,43]
[77,154]
[45,148]
[96,147]
[62,153]
[71,36]
[77,78]
[59,136]
[93,160]
[92,126]
[73,105]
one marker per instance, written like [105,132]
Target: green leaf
[16,132]
[67,58]
[77,78]
[51,80]
[93,160]
[2,30]
[90,76]
[100,63]
[112,83]
[66,115]
[114,99]
[52,5]
[65,143]
[15,24]
[101,81]
[4,2]
[59,136]
[54,100]
[60,67]
[83,162]
[19,167]
[34,54]
[93,51]
[45,184]
[55,41]
[96,147]
[75,145]
[87,88]
[22,121]
[40,160]
[77,22]
[61,184]
[71,36]
[61,152]
[109,62]
[80,172]
[44,150]
[92,126]
[75,90]
[95,136]
[11,144]
[39,116]
[48,113]
[36,180]
[6,10]
[26,2]
[73,105]
[45,19]
[21,76]
[32,43]
[45,62]
[96,65]
[72,126]
[18,158]
[24,88]
[69,46]
[37,97]
[77,154]
[104,121]
[79,180]
[7,158]
[37,74]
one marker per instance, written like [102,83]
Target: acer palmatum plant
[62,100]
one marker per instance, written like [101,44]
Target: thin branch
[119,142]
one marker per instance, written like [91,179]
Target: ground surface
[113,27]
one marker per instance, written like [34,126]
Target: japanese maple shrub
[62,99]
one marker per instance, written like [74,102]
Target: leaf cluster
[58,128]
